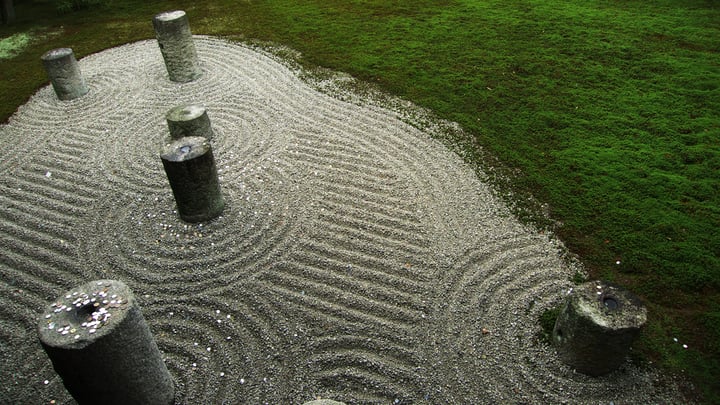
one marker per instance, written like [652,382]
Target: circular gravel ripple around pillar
[144,240]
[357,258]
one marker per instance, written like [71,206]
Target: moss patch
[14,44]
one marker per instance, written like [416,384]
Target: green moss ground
[606,111]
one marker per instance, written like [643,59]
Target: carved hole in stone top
[610,303]
[185,149]
[85,311]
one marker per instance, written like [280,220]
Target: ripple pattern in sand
[357,259]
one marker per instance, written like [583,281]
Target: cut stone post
[64,72]
[189,120]
[99,343]
[597,326]
[172,30]
[190,168]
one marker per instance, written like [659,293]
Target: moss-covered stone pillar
[172,30]
[99,343]
[189,120]
[191,171]
[64,72]
[597,326]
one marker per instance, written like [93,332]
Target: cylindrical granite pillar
[172,30]
[190,168]
[597,326]
[99,343]
[189,120]
[64,72]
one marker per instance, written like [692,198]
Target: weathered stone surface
[64,73]
[99,343]
[597,326]
[190,167]
[189,120]
[172,30]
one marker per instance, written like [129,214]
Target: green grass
[606,111]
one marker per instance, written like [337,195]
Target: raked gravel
[358,258]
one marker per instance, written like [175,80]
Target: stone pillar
[172,30]
[597,326]
[99,343]
[64,72]
[189,120]
[190,168]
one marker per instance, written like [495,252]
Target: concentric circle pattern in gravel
[357,258]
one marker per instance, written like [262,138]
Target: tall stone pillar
[99,343]
[191,171]
[172,30]
[64,72]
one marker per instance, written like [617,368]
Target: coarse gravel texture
[357,258]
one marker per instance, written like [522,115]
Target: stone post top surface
[84,314]
[170,15]
[185,149]
[57,53]
[187,112]
[609,305]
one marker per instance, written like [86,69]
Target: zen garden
[359,202]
